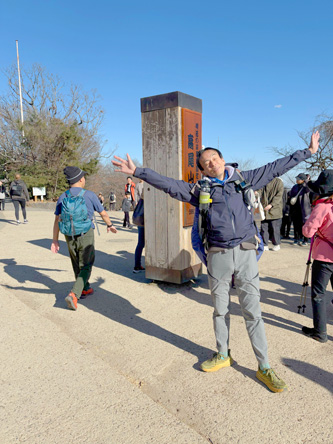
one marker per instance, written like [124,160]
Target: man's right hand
[55,247]
[125,166]
[113,229]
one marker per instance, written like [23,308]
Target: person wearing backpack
[320,225]
[231,244]
[112,205]
[74,218]
[19,194]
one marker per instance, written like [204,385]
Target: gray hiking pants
[243,264]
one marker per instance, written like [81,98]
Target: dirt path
[124,368]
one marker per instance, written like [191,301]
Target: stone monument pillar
[171,138]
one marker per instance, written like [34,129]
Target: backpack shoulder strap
[241,184]
[240,174]
[244,183]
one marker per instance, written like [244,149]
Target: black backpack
[112,197]
[16,189]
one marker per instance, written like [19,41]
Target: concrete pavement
[124,368]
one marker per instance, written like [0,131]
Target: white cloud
[277,106]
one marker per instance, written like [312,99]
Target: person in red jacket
[130,188]
[320,225]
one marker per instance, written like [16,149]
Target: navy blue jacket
[230,220]
[302,208]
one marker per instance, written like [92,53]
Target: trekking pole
[305,282]
[96,225]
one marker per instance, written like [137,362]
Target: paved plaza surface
[124,368]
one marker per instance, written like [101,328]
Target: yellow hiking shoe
[271,380]
[216,362]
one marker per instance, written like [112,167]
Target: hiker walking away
[320,225]
[112,204]
[2,195]
[230,234]
[126,206]
[19,194]
[130,188]
[300,208]
[73,217]
[271,200]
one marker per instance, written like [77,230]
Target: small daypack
[16,189]
[74,218]
[112,197]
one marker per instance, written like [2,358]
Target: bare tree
[323,159]
[244,164]
[107,180]
[61,125]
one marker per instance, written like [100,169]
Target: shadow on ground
[121,264]
[103,302]
[311,372]
[279,299]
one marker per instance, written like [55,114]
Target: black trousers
[322,273]
[298,225]
[274,226]
[285,226]
[17,203]
[126,219]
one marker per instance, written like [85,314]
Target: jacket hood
[324,184]
[230,170]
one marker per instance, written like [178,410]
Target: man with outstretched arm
[231,244]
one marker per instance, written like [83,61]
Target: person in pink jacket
[320,225]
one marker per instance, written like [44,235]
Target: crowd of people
[229,239]
[285,208]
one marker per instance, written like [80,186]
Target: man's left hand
[314,145]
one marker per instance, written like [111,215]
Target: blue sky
[262,69]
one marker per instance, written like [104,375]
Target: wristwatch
[109,226]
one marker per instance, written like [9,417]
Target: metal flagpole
[19,79]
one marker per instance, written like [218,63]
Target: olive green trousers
[82,253]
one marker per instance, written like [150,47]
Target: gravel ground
[124,368]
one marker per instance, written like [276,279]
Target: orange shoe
[86,293]
[71,301]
